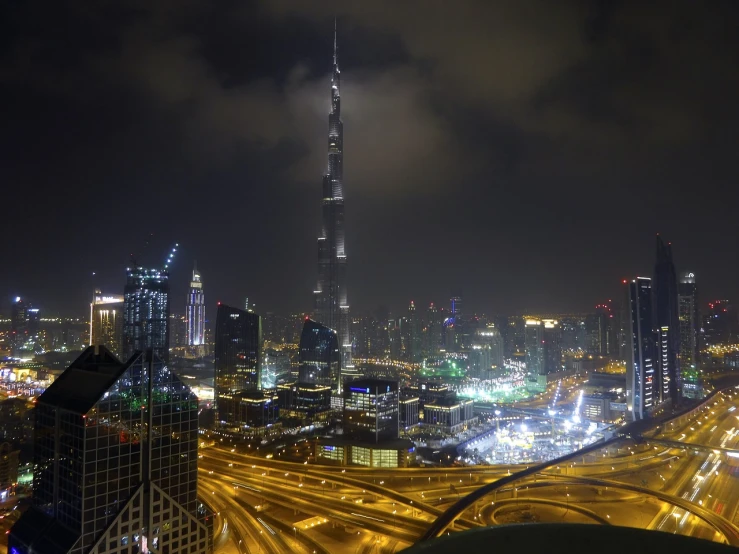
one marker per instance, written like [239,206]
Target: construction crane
[170,257]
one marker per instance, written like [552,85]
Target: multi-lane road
[679,481]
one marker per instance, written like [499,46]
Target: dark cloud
[523,152]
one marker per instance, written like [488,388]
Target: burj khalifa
[331,303]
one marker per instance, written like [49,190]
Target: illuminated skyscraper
[666,324]
[146,312]
[689,322]
[106,322]
[641,379]
[195,310]
[536,376]
[115,462]
[18,324]
[331,303]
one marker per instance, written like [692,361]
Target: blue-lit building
[195,311]
[641,370]
[320,357]
[146,312]
[115,462]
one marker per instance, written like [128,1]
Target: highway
[681,480]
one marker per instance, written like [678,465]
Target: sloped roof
[82,384]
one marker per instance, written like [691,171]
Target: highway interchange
[679,479]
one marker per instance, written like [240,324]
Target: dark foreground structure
[115,462]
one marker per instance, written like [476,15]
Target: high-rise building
[238,351]
[116,462]
[689,323]
[600,331]
[434,330]
[414,334]
[720,325]
[18,323]
[320,359]
[331,301]
[641,374]
[106,322]
[371,410]
[535,368]
[486,353]
[455,303]
[552,345]
[667,324]
[146,312]
[195,310]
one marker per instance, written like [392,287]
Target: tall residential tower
[331,304]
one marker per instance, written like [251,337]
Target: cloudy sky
[523,154]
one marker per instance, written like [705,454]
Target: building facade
[195,310]
[146,312]
[106,322]
[116,462]
[238,353]
[689,323]
[320,356]
[641,372]
[667,324]
[371,410]
[331,300]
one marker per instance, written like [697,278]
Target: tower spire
[336,51]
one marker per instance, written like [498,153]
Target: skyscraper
[689,322]
[146,312]
[666,324]
[331,303]
[720,324]
[106,322]
[414,334]
[319,356]
[116,462]
[552,344]
[486,352]
[238,350]
[18,324]
[641,379]
[535,369]
[195,310]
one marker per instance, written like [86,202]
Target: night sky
[523,154]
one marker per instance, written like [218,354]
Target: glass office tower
[238,351]
[146,312]
[320,361]
[115,458]
[371,410]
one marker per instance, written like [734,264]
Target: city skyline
[513,184]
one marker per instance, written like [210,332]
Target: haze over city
[523,154]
